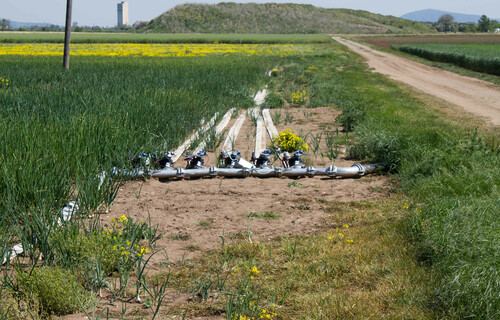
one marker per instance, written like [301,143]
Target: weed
[57,289]
[276,117]
[295,184]
[316,142]
[180,236]
[265,215]
[204,224]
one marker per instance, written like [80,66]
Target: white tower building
[122,14]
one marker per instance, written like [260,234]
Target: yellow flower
[153,50]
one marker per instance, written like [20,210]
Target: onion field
[60,129]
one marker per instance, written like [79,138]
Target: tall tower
[122,14]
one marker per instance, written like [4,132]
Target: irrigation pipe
[179,151]
[268,121]
[218,129]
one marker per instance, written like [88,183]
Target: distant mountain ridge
[275,18]
[432,15]
[16,24]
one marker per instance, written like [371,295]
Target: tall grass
[476,57]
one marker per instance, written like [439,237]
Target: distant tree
[447,21]
[484,23]
[495,25]
[4,24]
[466,27]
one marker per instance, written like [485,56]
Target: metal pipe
[180,173]
[299,172]
[356,170]
[231,172]
[266,172]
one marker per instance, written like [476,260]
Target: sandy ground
[473,95]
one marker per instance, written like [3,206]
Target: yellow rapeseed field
[152,50]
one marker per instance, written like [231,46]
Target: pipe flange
[180,173]
[360,167]
[331,171]
[246,172]
[310,171]
[278,171]
[212,171]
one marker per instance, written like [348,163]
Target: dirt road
[474,96]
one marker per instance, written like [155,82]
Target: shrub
[79,250]
[273,101]
[58,290]
[379,146]
[14,306]
[352,114]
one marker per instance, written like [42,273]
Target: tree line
[447,23]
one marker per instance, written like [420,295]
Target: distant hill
[16,24]
[275,18]
[431,15]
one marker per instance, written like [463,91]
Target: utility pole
[67,35]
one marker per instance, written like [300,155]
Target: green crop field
[476,57]
[429,250]
[76,37]
[60,129]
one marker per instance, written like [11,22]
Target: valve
[166,161]
[263,160]
[295,160]
[230,160]
[195,161]
[140,161]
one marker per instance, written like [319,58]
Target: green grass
[76,37]
[448,170]
[477,57]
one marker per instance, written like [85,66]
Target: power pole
[67,35]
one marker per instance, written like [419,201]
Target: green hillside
[276,18]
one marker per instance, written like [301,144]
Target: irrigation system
[231,164]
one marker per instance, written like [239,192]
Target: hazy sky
[103,12]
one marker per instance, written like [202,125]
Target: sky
[103,12]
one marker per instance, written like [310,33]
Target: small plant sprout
[276,117]
[288,117]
